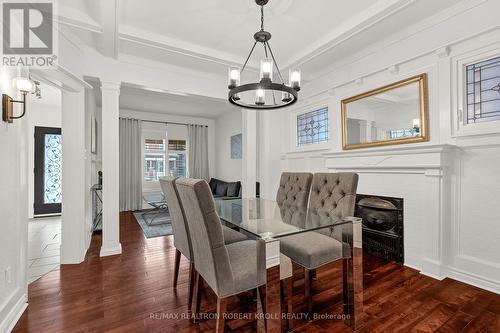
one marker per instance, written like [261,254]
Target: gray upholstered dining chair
[180,228]
[293,195]
[333,195]
[228,269]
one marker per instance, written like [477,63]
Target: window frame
[460,128]
[313,145]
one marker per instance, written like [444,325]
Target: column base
[111,250]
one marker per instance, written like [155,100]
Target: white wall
[13,214]
[470,235]
[227,125]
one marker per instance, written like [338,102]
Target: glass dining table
[269,222]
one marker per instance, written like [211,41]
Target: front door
[48,171]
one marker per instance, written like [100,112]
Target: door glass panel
[154,159]
[52,168]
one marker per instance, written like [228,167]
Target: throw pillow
[233,189]
[221,189]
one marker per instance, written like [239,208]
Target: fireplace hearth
[382,226]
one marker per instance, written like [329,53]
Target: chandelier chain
[261,18]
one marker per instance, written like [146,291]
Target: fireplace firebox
[382,226]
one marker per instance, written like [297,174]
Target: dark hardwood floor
[133,293]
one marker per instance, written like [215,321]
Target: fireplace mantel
[401,157]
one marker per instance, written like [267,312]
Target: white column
[269,152]
[249,162]
[73,178]
[110,169]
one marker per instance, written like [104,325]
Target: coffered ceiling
[210,34]
[207,36]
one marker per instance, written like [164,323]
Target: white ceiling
[209,35]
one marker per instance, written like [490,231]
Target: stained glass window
[312,127]
[53,169]
[483,91]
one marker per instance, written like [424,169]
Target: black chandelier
[264,94]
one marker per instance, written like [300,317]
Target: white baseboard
[462,276]
[433,269]
[8,323]
[473,279]
[111,250]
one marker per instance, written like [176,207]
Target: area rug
[161,225]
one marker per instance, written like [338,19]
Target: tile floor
[44,239]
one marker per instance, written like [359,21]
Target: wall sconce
[25,86]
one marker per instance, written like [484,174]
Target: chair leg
[307,286]
[261,299]
[254,295]
[221,314]
[176,269]
[287,292]
[197,291]
[191,285]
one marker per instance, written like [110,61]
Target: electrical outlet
[8,275]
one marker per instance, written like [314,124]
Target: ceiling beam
[109,11]
[133,35]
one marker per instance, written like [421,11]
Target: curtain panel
[198,152]
[130,165]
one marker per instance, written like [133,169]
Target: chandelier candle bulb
[266,70]
[233,77]
[294,76]
[260,96]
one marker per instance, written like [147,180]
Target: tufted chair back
[333,195]
[293,195]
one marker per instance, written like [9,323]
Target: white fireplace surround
[426,171]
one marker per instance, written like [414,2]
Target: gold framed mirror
[393,114]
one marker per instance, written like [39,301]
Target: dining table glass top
[267,219]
